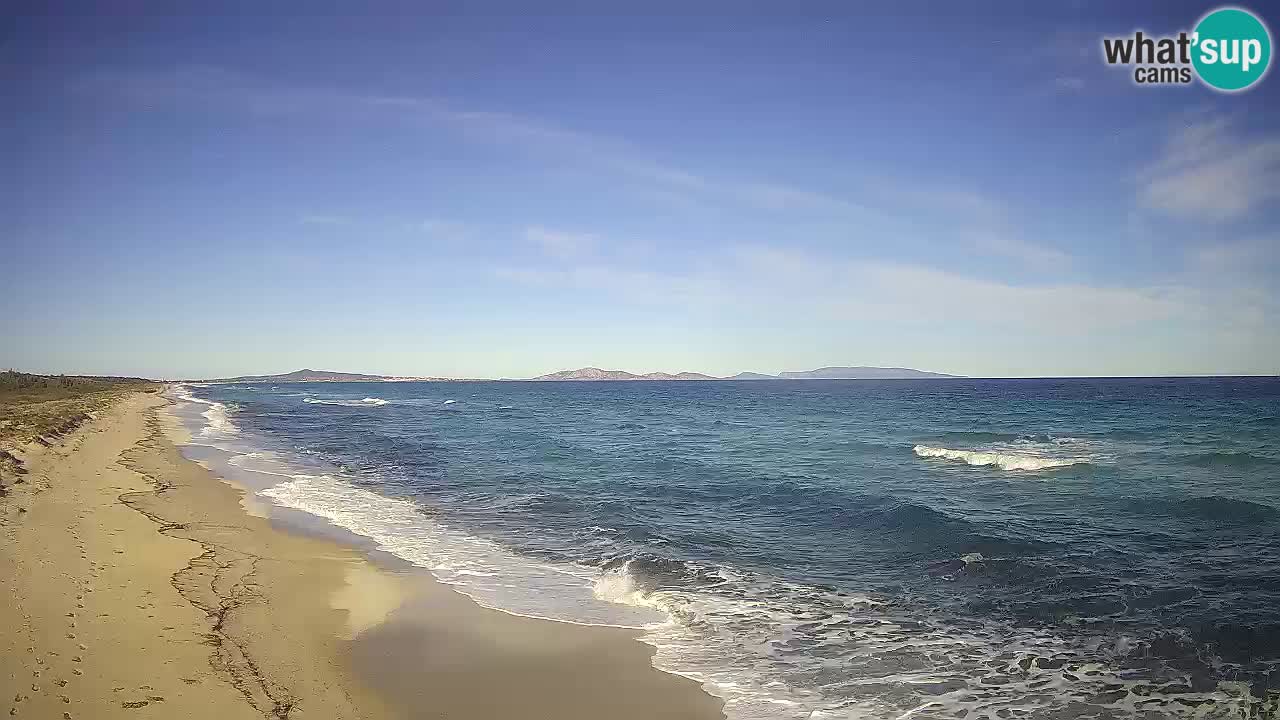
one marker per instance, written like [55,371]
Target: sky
[502,190]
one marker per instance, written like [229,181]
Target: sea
[1048,548]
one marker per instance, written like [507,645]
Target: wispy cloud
[982,223]
[444,230]
[691,289]
[561,244]
[758,279]
[873,200]
[322,219]
[1246,267]
[1028,253]
[1210,172]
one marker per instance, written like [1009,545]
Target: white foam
[217,421]
[366,402]
[490,574]
[500,579]
[1002,460]
[263,462]
[618,586]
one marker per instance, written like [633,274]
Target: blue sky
[478,190]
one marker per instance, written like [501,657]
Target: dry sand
[136,585]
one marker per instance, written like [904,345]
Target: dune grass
[39,407]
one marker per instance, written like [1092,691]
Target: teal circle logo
[1232,49]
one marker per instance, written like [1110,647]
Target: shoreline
[182,601]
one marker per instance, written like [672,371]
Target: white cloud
[1209,172]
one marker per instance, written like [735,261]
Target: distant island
[862,373]
[826,373]
[307,375]
[591,373]
[597,374]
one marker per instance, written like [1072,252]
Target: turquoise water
[975,548]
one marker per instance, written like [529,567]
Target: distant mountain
[677,376]
[307,375]
[593,373]
[861,373]
[827,373]
[589,373]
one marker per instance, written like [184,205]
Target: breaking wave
[1002,460]
[366,402]
[217,416]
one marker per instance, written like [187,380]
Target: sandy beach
[136,584]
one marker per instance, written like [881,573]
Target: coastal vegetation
[41,408]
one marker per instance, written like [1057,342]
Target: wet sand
[442,656]
[135,584]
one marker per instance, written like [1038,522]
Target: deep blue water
[977,548]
